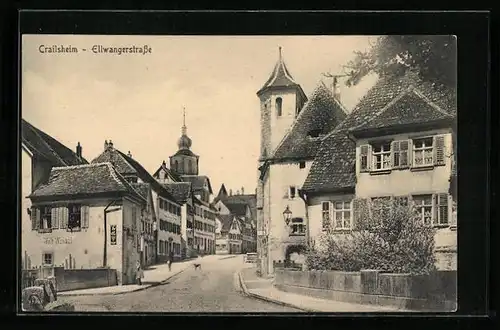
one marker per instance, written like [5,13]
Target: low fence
[433,292]
[74,279]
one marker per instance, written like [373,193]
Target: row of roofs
[324,131]
[112,172]
[237,205]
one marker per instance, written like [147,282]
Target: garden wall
[435,292]
[74,279]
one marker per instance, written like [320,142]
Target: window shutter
[439,157]
[34,222]
[435,209]
[55,217]
[364,159]
[444,215]
[395,154]
[37,217]
[85,216]
[404,154]
[65,215]
[357,207]
[410,153]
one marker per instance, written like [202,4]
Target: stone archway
[297,250]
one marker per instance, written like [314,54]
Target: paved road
[213,289]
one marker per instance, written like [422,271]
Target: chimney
[108,145]
[79,150]
[336,90]
[164,164]
[129,154]
[243,190]
[230,192]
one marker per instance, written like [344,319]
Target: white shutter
[395,154]
[410,153]
[364,157]
[404,153]
[55,217]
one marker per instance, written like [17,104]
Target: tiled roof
[334,164]
[180,190]
[42,144]
[250,200]
[142,188]
[238,209]
[197,181]
[321,114]
[116,158]
[411,107]
[226,221]
[169,172]
[126,165]
[90,179]
[280,77]
[222,192]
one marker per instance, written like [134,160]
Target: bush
[387,236]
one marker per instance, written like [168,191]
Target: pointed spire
[280,58]
[184,128]
[280,77]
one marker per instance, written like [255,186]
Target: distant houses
[111,213]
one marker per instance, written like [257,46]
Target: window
[75,216]
[423,152]
[381,154]
[400,154]
[298,227]
[291,192]
[342,214]
[423,207]
[176,166]
[326,215]
[48,259]
[279,106]
[46,219]
[302,164]
[190,166]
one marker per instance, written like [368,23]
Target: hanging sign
[113,234]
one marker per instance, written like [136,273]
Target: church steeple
[184,161]
[184,141]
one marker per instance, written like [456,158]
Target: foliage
[434,57]
[387,237]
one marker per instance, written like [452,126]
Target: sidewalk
[153,276]
[263,289]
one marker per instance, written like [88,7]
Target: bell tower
[281,100]
[184,161]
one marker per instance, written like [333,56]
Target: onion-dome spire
[184,141]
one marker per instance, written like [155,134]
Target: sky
[137,100]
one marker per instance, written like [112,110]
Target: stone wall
[74,279]
[434,292]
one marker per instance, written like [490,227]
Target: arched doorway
[294,254]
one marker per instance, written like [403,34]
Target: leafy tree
[387,236]
[434,57]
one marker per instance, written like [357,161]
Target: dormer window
[279,106]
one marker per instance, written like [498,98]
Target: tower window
[279,106]
[190,166]
[176,165]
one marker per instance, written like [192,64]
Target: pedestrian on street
[170,260]
[139,273]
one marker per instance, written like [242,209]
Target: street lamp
[287,215]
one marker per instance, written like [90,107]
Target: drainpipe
[105,255]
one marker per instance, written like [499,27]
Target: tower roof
[184,141]
[280,77]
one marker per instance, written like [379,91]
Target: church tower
[281,100]
[184,161]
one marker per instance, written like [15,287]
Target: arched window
[279,105]
[190,166]
[177,166]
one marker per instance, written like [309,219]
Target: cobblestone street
[214,288]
